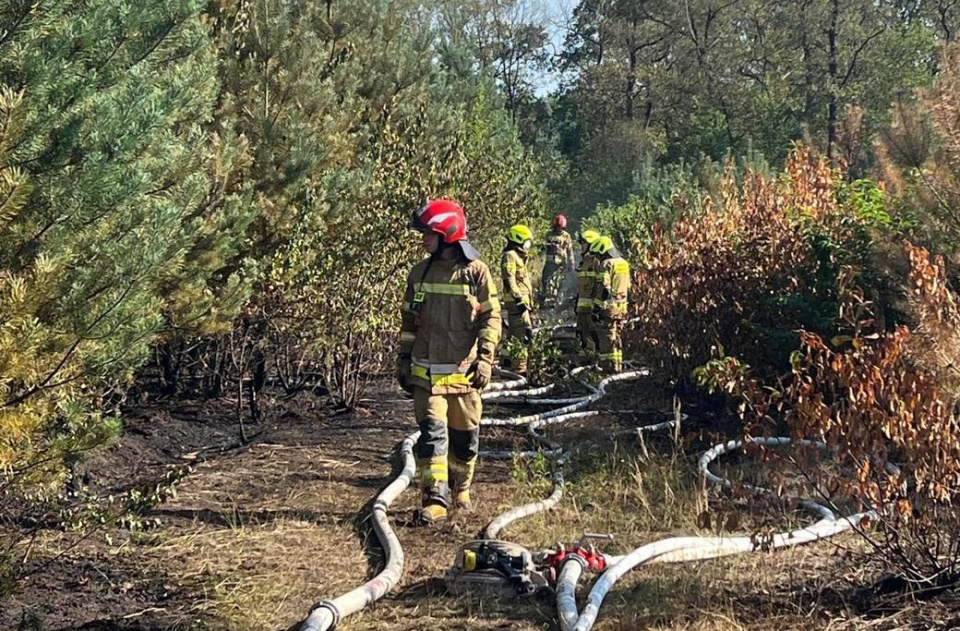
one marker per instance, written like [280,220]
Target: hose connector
[574,556]
[323,617]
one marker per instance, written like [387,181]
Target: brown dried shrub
[885,403]
[761,262]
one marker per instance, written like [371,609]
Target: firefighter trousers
[518,326]
[446,451]
[609,345]
[586,333]
[551,284]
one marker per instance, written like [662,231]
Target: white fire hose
[683,549]
[327,614]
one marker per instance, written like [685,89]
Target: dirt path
[256,534]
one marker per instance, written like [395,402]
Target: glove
[527,336]
[479,374]
[522,306]
[404,369]
[596,315]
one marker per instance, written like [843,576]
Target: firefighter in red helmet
[559,262]
[448,337]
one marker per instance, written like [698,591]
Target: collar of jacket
[516,247]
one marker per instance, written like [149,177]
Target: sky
[555,15]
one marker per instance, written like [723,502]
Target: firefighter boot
[435,499]
[430,514]
[461,501]
[520,366]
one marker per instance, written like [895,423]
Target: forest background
[211,197]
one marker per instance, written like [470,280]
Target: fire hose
[683,549]
[327,614]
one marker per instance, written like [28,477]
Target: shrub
[763,260]
[885,402]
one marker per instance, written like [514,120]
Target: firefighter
[517,294]
[559,261]
[448,338]
[611,286]
[586,276]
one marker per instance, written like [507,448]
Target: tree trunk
[631,75]
[833,81]
[169,361]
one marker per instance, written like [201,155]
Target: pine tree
[111,224]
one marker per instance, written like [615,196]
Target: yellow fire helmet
[589,236]
[602,245]
[521,235]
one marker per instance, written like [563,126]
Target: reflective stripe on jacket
[612,287]
[450,317]
[517,285]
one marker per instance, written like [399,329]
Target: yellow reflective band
[621,268]
[584,302]
[456,379]
[446,289]
[490,335]
[406,336]
[489,305]
[587,274]
[420,372]
[511,267]
[437,472]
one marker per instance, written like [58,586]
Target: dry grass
[267,534]
[624,488]
[301,538]
[263,576]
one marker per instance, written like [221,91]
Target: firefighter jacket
[612,284]
[450,319]
[517,285]
[559,250]
[586,279]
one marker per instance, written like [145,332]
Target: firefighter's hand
[527,336]
[522,306]
[404,369]
[596,315]
[480,373]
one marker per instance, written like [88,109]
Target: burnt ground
[307,476]
[257,533]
